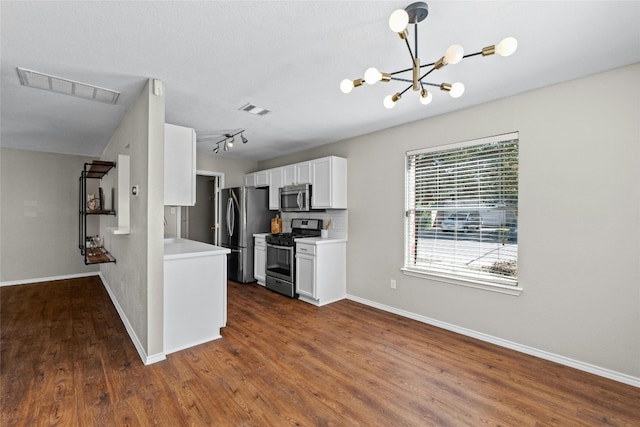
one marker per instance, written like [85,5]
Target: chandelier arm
[398,79]
[472,54]
[426,74]
[402,71]
[408,87]
[428,65]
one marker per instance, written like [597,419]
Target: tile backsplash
[338,229]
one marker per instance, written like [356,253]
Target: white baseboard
[146,359]
[587,367]
[48,279]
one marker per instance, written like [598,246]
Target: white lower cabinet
[321,274]
[260,259]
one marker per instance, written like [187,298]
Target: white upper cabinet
[250,180]
[289,175]
[261,178]
[327,176]
[303,173]
[275,182]
[179,166]
[329,183]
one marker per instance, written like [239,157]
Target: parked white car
[462,221]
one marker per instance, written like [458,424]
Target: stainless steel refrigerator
[245,211]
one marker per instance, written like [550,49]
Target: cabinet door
[303,173]
[262,178]
[289,175]
[321,183]
[306,275]
[250,180]
[260,262]
[179,166]
[275,182]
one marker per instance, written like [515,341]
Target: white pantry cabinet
[321,273]
[260,258]
[179,166]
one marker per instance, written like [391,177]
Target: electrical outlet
[393,283]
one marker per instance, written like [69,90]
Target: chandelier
[398,22]
[227,139]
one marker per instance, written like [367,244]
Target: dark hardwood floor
[67,360]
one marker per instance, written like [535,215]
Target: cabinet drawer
[260,242]
[305,248]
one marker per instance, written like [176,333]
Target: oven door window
[280,262]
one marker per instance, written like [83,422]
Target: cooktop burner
[299,228]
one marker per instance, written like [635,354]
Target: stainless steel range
[280,269]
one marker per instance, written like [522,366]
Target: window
[462,212]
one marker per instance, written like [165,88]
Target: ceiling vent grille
[254,109]
[64,86]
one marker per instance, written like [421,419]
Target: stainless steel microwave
[295,198]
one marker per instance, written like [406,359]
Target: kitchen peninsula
[195,293]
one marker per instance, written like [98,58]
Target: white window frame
[503,285]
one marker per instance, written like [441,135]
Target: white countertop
[175,248]
[261,234]
[319,240]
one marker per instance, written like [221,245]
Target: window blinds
[462,210]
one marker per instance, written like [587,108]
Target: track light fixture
[398,22]
[227,140]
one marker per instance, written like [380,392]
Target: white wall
[579,220]
[39,216]
[136,279]
[233,170]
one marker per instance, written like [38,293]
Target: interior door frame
[220,176]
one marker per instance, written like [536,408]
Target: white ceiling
[287,56]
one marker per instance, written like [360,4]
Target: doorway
[200,222]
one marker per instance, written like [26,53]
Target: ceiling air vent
[64,86]
[254,109]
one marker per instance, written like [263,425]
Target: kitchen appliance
[295,198]
[245,211]
[280,268]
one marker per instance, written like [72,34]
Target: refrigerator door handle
[229,217]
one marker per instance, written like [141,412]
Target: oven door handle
[270,245]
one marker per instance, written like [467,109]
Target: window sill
[460,281]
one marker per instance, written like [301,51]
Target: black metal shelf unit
[93,254]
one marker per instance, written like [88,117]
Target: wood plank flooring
[67,360]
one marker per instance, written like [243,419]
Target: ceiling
[288,57]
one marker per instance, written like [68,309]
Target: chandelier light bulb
[346,86]
[389,102]
[399,20]
[507,46]
[244,140]
[425,97]
[457,89]
[372,75]
[454,54]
